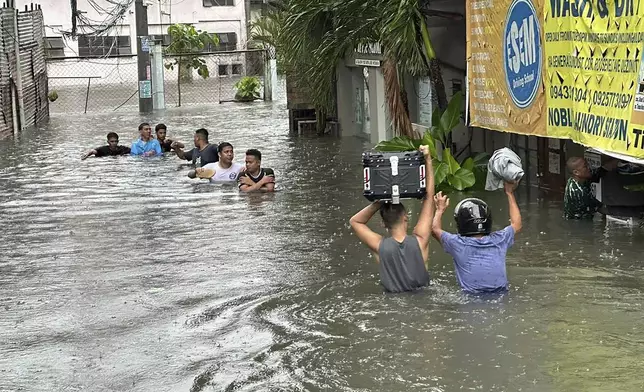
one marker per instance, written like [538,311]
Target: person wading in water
[146,145]
[203,153]
[403,258]
[112,148]
[161,131]
[478,252]
[579,201]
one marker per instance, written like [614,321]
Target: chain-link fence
[106,84]
[226,69]
[89,85]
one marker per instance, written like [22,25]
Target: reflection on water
[122,274]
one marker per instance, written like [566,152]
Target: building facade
[226,18]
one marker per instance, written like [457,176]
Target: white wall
[161,13]
[449,40]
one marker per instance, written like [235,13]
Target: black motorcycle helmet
[473,217]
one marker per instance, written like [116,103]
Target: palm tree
[313,36]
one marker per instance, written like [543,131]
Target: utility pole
[143,57]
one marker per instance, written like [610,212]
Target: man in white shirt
[223,171]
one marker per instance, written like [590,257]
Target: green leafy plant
[449,173]
[186,46]
[247,89]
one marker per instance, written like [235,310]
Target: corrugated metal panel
[7,69]
[40,69]
[32,66]
[26,40]
[33,69]
[26,28]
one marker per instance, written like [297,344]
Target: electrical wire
[114,14]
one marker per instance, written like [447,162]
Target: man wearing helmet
[402,258]
[479,253]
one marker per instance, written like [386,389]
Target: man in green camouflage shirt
[579,202]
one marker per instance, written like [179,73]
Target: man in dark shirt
[256,178]
[203,153]
[166,144]
[579,202]
[111,149]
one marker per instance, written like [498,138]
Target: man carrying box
[402,258]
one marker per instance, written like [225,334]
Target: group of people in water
[212,161]
[479,253]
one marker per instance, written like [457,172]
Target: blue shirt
[480,262]
[139,147]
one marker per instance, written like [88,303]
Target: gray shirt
[402,267]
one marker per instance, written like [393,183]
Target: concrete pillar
[158,93]
[346,116]
[270,79]
[380,127]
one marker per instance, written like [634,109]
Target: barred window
[227,42]
[103,46]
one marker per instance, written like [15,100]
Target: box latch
[395,194]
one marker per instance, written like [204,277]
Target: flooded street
[122,274]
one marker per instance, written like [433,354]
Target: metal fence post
[89,81]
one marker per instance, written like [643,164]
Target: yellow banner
[559,68]
[505,65]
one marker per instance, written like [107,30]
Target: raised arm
[88,154]
[515,214]
[178,149]
[175,144]
[363,232]
[442,202]
[422,230]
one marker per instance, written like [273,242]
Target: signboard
[425,101]
[558,68]
[594,161]
[145,44]
[145,89]
[367,63]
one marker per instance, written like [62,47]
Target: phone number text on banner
[559,68]
[593,61]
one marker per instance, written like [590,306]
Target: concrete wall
[449,39]
[231,19]
[362,111]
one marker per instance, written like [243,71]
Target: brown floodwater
[122,274]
